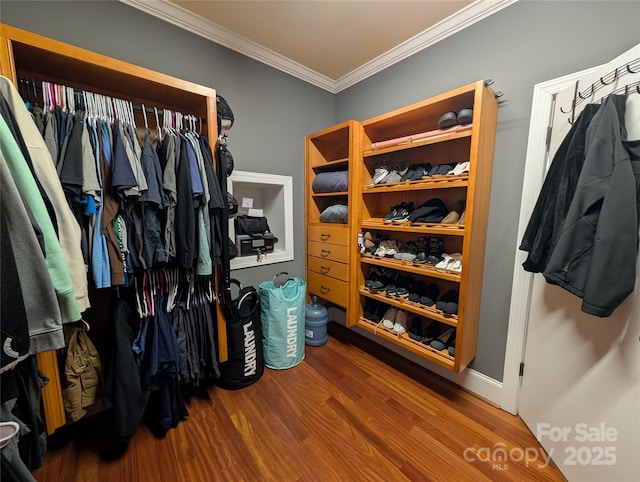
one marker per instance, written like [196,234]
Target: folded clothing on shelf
[331,181]
[431,211]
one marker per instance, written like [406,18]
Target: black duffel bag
[254,226]
[245,363]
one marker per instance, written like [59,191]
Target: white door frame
[534,173]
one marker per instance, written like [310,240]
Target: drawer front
[332,252]
[328,268]
[328,288]
[329,234]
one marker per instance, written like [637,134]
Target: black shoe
[451,349]
[408,173]
[420,171]
[421,257]
[402,214]
[430,332]
[444,340]
[415,329]
[430,295]
[393,212]
[448,303]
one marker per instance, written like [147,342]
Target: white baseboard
[479,384]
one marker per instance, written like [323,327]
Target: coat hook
[591,91]
[629,67]
[615,76]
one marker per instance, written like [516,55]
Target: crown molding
[182,18]
[466,17]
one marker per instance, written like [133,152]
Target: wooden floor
[351,411]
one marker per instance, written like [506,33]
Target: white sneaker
[378,175]
[401,322]
[460,168]
[388,320]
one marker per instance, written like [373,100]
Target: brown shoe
[452,218]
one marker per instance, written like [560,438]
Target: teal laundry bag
[282,309]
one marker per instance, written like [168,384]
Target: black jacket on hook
[550,212]
[596,254]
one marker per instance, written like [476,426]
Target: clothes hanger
[158,130]
[144,114]
[139,304]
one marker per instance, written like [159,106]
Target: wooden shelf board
[433,228]
[441,358]
[439,182]
[330,194]
[415,308]
[421,269]
[336,162]
[410,144]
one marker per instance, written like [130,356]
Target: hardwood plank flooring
[351,411]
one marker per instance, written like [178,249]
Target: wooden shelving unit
[410,135]
[329,269]
[27,55]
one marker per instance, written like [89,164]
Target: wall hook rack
[632,67]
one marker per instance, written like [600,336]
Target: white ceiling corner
[175,14]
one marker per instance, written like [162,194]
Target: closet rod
[632,67]
[27,84]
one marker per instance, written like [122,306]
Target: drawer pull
[325,252]
[324,237]
[325,269]
[324,290]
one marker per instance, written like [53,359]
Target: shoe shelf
[441,182]
[415,308]
[410,136]
[410,267]
[403,340]
[330,194]
[431,137]
[378,224]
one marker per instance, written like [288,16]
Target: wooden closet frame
[27,54]
[408,135]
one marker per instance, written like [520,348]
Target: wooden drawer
[326,267]
[332,252]
[328,288]
[329,234]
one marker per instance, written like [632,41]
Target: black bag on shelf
[245,363]
[253,226]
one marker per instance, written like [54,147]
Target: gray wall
[526,43]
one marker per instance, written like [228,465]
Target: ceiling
[331,44]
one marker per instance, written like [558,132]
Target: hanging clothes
[216,202]
[593,258]
[42,313]
[153,203]
[15,325]
[56,265]
[100,267]
[185,219]
[67,229]
[82,374]
[549,214]
[125,395]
